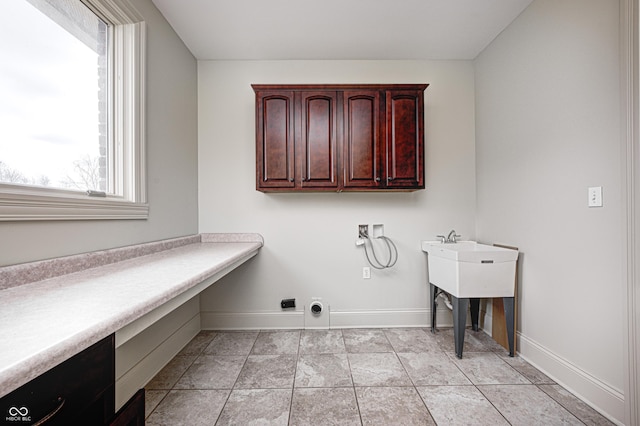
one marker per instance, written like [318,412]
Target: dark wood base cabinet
[339,137]
[80,391]
[132,414]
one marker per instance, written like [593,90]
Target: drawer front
[81,389]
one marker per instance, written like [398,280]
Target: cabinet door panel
[275,140]
[317,141]
[78,391]
[362,129]
[405,134]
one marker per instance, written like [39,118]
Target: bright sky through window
[49,109]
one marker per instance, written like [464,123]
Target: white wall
[548,127]
[171,162]
[310,237]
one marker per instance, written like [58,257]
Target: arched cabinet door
[317,141]
[275,140]
[405,139]
[363,133]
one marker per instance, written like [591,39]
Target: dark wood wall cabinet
[367,137]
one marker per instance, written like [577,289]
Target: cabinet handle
[389,179]
[378,179]
[290,179]
[55,411]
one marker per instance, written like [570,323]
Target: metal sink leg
[474,305]
[433,293]
[459,321]
[509,316]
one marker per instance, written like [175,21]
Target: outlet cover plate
[366,272]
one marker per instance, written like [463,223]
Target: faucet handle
[454,238]
[443,239]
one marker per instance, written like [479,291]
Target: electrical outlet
[288,303]
[363,231]
[366,272]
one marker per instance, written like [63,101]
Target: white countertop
[46,322]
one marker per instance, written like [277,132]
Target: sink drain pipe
[446,299]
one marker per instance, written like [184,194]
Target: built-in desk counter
[45,322]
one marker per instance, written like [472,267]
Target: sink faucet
[451,238]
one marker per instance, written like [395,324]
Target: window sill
[26,204]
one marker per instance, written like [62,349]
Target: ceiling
[338,29]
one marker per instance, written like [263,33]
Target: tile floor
[354,377]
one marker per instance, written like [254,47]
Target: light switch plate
[595,196]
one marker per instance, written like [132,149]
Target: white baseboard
[599,395]
[251,320]
[381,318]
[337,319]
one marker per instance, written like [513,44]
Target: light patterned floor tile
[473,341]
[392,406]
[323,370]
[169,375]
[487,368]
[276,343]
[322,342]
[534,375]
[432,368]
[212,372]
[460,405]
[366,341]
[324,406]
[189,408]
[198,343]
[377,369]
[412,340]
[151,400]
[578,408]
[267,372]
[232,343]
[257,407]
[527,405]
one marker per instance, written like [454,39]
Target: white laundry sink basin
[467,269]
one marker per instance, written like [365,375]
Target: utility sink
[467,269]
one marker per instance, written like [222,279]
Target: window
[72,111]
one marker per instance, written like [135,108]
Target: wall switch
[595,196]
[377,230]
[366,272]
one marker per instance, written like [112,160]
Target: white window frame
[126,127]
